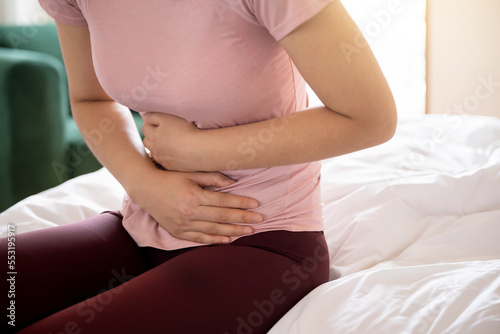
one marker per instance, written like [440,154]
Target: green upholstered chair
[40,145]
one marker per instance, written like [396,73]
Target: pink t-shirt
[216,63]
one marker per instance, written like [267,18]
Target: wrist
[193,158]
[135,175]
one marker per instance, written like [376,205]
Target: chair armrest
[33,109]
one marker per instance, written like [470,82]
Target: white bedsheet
[413,228]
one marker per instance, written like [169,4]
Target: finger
[204,238]
[148,129]
[225,200]
[219,229]
[152,118]
[227,216]
[210,233]
[211,179]
[148,146]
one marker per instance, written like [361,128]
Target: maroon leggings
[91,277]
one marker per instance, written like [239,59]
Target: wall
[463,57]
[396,32]
[6,10]
[22,12]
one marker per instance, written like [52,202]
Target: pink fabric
[216,63]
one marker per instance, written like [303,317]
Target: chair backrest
[37,38]
[40,38]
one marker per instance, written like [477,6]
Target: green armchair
[40,145]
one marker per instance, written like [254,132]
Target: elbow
[372,122]
[382,124]
[386,124]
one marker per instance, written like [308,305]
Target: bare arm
[104,124]
[176,200]
[359,109]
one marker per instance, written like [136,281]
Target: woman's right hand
[178,202]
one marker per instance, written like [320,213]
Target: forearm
[305,136]
[110,132]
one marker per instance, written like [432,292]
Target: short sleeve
[65,11]
[281,17]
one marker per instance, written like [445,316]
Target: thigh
[60,266]
[213,289]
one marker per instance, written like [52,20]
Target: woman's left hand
[170,139]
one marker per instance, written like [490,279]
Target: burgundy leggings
[91,277]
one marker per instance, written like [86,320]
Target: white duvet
[413,228]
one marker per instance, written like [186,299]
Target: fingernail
[247,230]
[253,205]
[256,219]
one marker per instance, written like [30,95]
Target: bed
[413,229]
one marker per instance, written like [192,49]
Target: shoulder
[279,17]
[65,11]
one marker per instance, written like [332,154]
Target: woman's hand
[181,206]
[170,140]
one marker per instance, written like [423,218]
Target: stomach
[285,194]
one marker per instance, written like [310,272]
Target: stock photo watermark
[292,278]
[250,147]
[75,156]
[150,82]
[487,85]
[29,29]
[380,20]
[427,315]
[90,308]
[11,274]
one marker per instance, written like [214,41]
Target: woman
[220,84]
